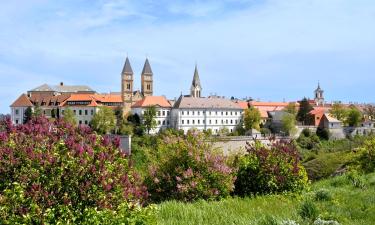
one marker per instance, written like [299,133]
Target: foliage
[308,140]
[28,115]
[265,131]
[323,133]
[270,169]
[123,127]
[370,111]
[149,118]
[308,210]
[56,172]
[354,117]
[291,108]
[288,122]
[187,168]
[224,131]
[303,114]
[367,156]
[104,121]
[323,195]
[69,116]
[339,111]
[252,118]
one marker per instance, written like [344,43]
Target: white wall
[163,117]
[80,113]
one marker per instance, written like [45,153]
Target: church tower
[196,89]
[127,85]
[147,88]
[319,97]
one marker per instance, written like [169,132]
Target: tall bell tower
[319,97]
[147,87]
[127,86]
[196,88]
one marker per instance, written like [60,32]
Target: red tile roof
[243,104]
[22,101]
[94,99]
[160,101]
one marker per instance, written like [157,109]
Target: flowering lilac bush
[187,168]
[270,169]
[52,170]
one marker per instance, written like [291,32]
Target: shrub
[54,171]
[187,168]
[323,133]
[270,169]
[268,220]
[307,140]
[367,157]
[323,195]
[308,210]
[355,179]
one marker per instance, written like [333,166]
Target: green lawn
[350,201]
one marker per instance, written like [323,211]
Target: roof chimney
[61,84]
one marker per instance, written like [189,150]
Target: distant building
[53,90]
[319,96]
[129,95]
[163,111]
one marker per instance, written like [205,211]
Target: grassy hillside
[348,199]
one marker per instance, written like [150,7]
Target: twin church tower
[130,96]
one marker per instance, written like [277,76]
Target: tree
[339,111]
[37,110]
[303,114]
[53,113]
[149,118]
[69,116]
[28,115]
[354,117]
[370,111]
[288,122]
[291,108]
[104,121]
[252,118]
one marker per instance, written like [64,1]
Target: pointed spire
[147,68]
[318,88]
[196,81]
[127,67]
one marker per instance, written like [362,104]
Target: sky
[271,50]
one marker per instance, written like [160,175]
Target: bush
[187,168]
[308,140]
[270,169]
[367,157]
[268,220]
[323,195]
[54,171]
[308,210]
[323,133]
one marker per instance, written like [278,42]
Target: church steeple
[196,89]
[319,97]
[127,85]
[147,79]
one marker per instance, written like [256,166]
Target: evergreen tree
[303,114]
[28,115]
[104,121]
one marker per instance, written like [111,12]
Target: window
[215,121]
[158,122]
[16,121]
[128,86]
[168,113]
[44,112]
[86,112]
[235,113]
[182,121]
[187,121]
[231,130]
[80,112]
[222,113]
[199,112]
[193,121]
[192,113]
[209,113]
[62,111]
[199,121]
[163,122]
[236,121]
[158,113]
[231,113]
[163,113]
[80,122]
[231,121]
[216,112]
[226,113]
[209,121]
[204,121]
[167,122]
[92,112]
[17,112]
[226,122]
[75,112]
[148,86]
[182,112]
[187,112]
[222,121]
[86,122]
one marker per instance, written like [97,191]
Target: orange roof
[108,97]
[273,104]
[94,99]
[243,104]
[22,101]
[160,101]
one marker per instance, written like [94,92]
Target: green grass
[347,203]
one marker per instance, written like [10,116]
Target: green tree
[354,117]
[291,108]
[289,124]
[37,110]
[303,114]
[252,118]
[339,111]
[69,116]
[28,115]
[104,121]
[149,118]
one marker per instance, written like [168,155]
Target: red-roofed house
[163,110]
[265,107]
[18,109]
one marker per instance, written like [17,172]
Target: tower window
[128,86]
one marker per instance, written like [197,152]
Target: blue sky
[266,49]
